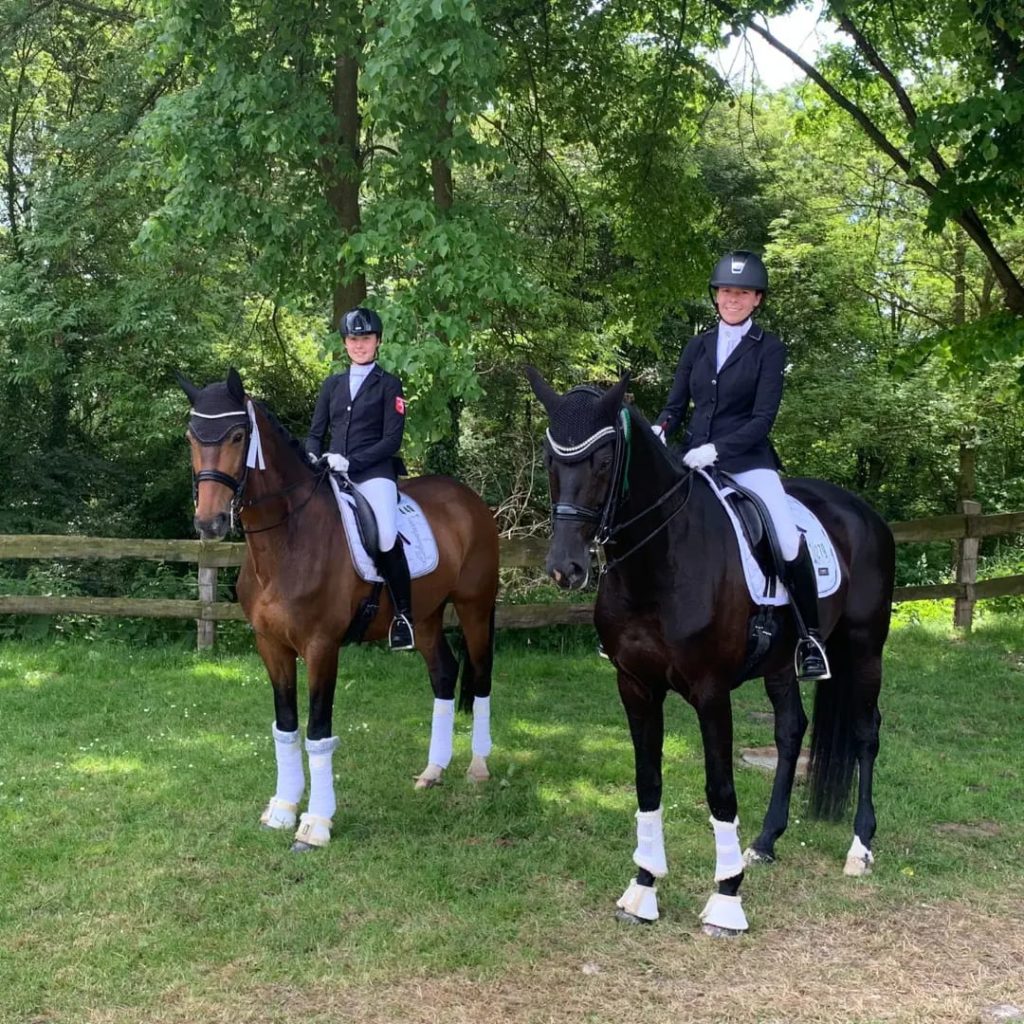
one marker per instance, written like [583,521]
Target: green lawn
[135,878]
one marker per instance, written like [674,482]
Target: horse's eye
[237,437]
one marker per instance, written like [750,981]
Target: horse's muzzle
[215,528]
[568,574]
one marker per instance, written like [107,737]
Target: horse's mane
[292,441]
[642,426]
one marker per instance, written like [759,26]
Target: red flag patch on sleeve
[399,405]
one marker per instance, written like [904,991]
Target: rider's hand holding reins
[337,462]
[701,457]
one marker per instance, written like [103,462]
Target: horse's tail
[833,747]
[475,680]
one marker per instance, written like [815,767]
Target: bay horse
[300,591]
[673,612]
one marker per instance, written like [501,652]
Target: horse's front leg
[316,822]
[444,672]
[645,713]
[282,810]
[790,725]
[723,913]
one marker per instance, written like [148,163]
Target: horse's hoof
[300,847]
[430,777]
[714,931]
[627,918]
[857,867]
[477,770]
[752,856]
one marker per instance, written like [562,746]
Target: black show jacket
[366,429]
[733,408]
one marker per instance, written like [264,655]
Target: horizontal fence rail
[967,527]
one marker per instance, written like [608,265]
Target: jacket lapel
[369,384]
[747,342]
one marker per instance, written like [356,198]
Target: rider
[733,372]
[365,411]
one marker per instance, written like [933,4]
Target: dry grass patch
[929,964]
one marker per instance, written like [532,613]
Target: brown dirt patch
[977,830]
[943,963]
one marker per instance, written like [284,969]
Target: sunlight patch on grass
[540,730]
[93,764]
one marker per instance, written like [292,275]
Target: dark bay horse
[300,591]
[673,613]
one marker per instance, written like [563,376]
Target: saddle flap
[366,521]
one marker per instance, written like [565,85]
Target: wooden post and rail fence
[967,527]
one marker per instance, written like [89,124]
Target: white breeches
[765,483]
[382,494]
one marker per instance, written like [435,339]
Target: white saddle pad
[420,545]
[823,552]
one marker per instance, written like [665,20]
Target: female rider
[733,373]
[365,412]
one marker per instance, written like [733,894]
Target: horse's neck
[685,529]
[274,492]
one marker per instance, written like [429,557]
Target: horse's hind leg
[866,682]
[476,616]
[444,672]
[790,725]
[282,810]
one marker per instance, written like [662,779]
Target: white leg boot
[315,824]
[291,781]
[481,745]
[442,733]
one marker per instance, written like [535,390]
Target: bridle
[237,484]
[618,488]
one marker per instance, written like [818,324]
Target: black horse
[673,612]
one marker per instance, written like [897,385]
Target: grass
[138,887]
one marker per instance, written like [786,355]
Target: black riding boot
[395,570]
[801,582]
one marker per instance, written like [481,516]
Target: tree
[938,88]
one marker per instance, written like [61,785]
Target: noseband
[618,489]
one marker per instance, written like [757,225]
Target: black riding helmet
[360,321]
[740,269]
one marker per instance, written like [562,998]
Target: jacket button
[714,380]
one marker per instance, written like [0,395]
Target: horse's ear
[546,394]
[186,385]
[235,387]
[612,399]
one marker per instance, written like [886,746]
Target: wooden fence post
[966,569]
[206,629]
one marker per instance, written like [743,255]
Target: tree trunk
[343,187]
[443,456]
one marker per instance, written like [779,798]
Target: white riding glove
[659,432]
[315,459]
[701,457]
[337,462]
